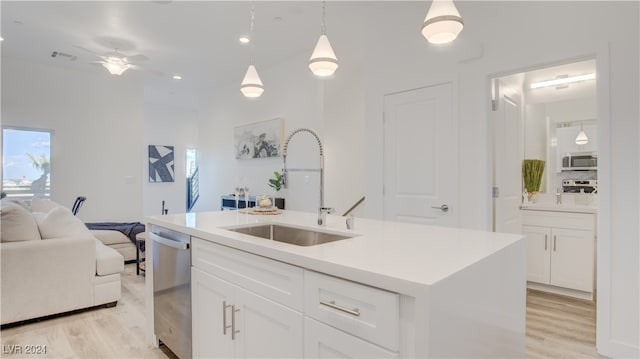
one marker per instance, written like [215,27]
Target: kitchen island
[390,290]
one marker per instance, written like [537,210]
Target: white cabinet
[323,341]
[561,251]
[567,139]
[246,305]
[362,311]
[232,322]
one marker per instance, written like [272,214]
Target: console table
[229,202]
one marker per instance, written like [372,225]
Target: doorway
[549,115]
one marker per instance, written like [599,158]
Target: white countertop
[400,257]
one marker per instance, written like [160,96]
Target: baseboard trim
[57,315]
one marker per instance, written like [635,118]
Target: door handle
[169,242]
[545,242]
[443,208]
[224,317]
[233,322]
[332,304]
[555,240]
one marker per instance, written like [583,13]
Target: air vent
[59,54]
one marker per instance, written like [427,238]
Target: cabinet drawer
[274,280]
[584,221]
[323,341]
[366,312]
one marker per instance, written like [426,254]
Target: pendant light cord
[253,15]
[323,27]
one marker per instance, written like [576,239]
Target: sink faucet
[322,210]
[558,196]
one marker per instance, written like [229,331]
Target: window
[26,163]
[193,178]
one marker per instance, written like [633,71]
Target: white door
[210,298]
[538,253]
[572,259]
[267,329]
[508,156]
[421,156]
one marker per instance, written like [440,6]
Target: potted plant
[532,171]
[276,184]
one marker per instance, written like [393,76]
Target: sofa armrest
[43,277]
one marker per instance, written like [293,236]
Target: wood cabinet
[561,251]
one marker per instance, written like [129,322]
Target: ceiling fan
[116,62]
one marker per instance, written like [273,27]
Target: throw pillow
[59,222]
[42,205]
[17,224]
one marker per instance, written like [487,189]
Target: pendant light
[582,138]
[323,61]
[443,22]
[251,84]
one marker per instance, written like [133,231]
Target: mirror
[558,111]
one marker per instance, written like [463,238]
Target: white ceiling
[199,39]
[196,39]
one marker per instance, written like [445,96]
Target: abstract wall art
[259,140]
[161,167]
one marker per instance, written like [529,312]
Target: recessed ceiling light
[244,39]
[1,38]
[177,77]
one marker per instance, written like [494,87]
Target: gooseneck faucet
[322,210]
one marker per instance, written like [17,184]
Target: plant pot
[279,202]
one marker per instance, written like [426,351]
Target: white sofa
[51,264]
[118,241]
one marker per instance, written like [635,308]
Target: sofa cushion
[42,205]
[110,237]
[108,260]
[17,224]
[58,223]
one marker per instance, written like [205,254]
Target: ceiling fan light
[323,61]
[443,22]
[115,68]
[582,138]
[251,84]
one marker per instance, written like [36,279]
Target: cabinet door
[538,253]
[323,341]
[572,259]
[208,299]
[266,328]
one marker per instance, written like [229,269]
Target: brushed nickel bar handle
[233,322]
[224,317]
[555,240]
[545,242]
[332,304]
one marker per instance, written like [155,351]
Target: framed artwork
[259,140]
[161,167]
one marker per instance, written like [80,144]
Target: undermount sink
[291,235]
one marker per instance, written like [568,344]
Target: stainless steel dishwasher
[172,289]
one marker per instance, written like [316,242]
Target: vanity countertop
[552,207]
[396,256]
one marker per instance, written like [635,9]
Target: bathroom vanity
[385,289]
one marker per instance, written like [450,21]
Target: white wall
[168,125]
[512,38]
[97,121]
[331,107]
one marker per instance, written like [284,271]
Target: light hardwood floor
[557,327]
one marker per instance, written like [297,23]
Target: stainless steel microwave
[579,163]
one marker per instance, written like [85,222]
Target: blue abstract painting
[161,167]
